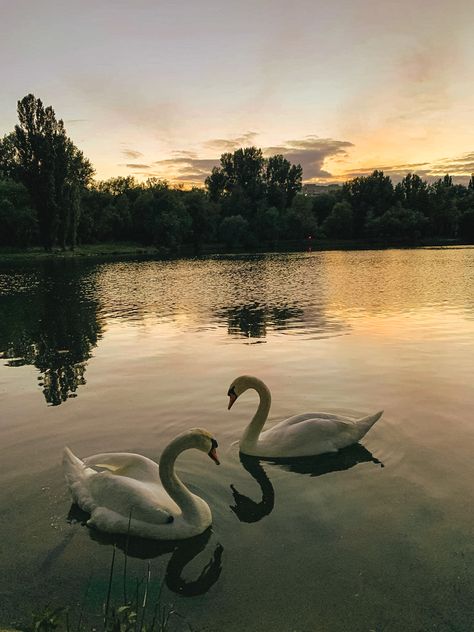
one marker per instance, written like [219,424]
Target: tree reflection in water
[255,320]
[182,553]
[248,510]
[53,327]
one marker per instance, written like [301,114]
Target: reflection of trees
[183,552]
[248,510]
[53,326]
[253,320]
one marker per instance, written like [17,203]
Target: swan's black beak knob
[213,454]
[232,397]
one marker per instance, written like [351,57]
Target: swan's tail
[366,423]
[76,474]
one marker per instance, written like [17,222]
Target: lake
[124,355]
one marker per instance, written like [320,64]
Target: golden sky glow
[162,89]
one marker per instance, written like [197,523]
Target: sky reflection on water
[149,349]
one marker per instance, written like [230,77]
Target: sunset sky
[162,88]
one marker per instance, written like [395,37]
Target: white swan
[308,434]
[135,495]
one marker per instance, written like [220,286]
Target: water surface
[122,356]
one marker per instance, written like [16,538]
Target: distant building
[310,190]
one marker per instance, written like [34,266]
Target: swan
[308,434]
[134,495]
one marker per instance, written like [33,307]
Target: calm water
[123,356]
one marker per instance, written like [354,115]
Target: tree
[203,214]
[234,231]
[443,211]
[412,192]
[369,196]
[283,181]
[300,221]
[39,154]
[18,225]
[216,184]
[398,224]
[323,205]
[339,223]
[466,226]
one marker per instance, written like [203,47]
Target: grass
[123,249]
[143,612]
[92,250]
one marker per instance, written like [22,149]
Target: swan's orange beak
[213,454]
[232,399]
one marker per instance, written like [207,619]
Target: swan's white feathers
[126,464]
[307,434]
[128,496]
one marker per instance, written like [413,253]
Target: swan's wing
[126,496]
[307,436]
[126,464]
[314,417]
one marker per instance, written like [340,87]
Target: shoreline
[120,250]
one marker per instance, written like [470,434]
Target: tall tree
[369,196]
[283,181]
[39,154]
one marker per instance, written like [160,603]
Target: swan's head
[204,441]
[239,386]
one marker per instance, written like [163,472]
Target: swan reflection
[321,464]
[182,553]
[248,510]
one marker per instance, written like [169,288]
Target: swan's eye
[214,444]
[232,392]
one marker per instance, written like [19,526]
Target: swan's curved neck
[189,503]
[253,430]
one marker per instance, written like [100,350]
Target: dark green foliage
[340,223]
[39,154]
[300,222]
[282,181]
[413,192]
[234,231]
[246,182]
[166,219]
[323,205]
[18,223]
[47,196]
[443,212]
[397,225]
[204,215]
[369,196]
[466,226]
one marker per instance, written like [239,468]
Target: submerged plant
[140,614]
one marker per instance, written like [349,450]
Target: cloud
[136,165]
[456,166]
[230,144]
[459,168]
[185,169]
[132,153]
[310,153]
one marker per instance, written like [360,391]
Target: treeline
[48,197]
